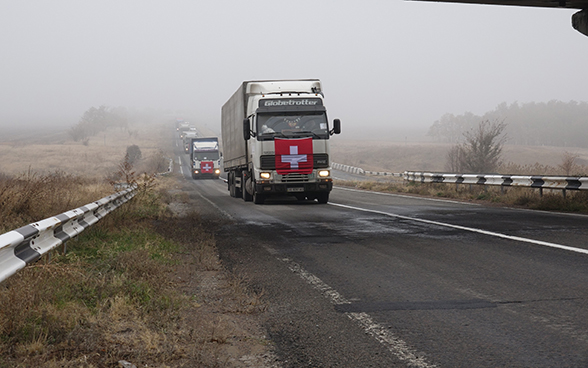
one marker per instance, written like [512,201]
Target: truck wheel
[231,184]
[322,197]
[246,196]
[258,198]
[238,192]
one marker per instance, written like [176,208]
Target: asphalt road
[381,280]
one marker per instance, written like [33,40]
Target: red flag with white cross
[294,156]
[206,167]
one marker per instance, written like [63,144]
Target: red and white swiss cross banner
[206,167]
[294,156]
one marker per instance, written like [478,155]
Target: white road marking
[452,201]
[465,228]
[397,346]
[317,283]
[180,163]
[394,344]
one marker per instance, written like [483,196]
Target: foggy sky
[386,65]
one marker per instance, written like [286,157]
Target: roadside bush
[133,154]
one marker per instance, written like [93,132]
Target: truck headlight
[324,173]
[265,175]
[217,171]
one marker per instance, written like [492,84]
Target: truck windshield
[312,124]
[208,155]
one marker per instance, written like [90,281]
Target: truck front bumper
[293,188]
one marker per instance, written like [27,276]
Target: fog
[387,66]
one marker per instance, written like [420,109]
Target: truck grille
[321,161]
[294,178]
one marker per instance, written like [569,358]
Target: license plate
[295,189]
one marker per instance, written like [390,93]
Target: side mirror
[246,129]
[336,127]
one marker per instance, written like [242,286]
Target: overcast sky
[386,65]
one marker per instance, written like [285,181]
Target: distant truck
[275,136]
[182,125]
[205,158]
[187,140]
[186,130]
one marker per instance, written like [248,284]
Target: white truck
[187,140]
[275,136]
[205,158]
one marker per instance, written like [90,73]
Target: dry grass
[96,160]
[428,156]
[32,197]
[520,160]
[142,285]
[125,291]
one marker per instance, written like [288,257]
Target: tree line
[554,123]
[96,120]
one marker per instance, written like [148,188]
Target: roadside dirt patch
[225,315]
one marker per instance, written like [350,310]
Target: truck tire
[322,197]
[231,184]
[246,196]
[238,191]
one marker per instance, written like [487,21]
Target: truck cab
[205,158]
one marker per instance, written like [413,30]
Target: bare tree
[568,163]
[481,150]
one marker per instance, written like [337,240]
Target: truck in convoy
[187,140]
[275,136]
[205,158]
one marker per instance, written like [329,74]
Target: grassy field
[427,156]
[430,156]
[55,151]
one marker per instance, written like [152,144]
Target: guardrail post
[563,191]
[540,192]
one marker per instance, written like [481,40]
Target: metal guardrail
[347,168]
[25,245]
[530,181]
[360,171]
